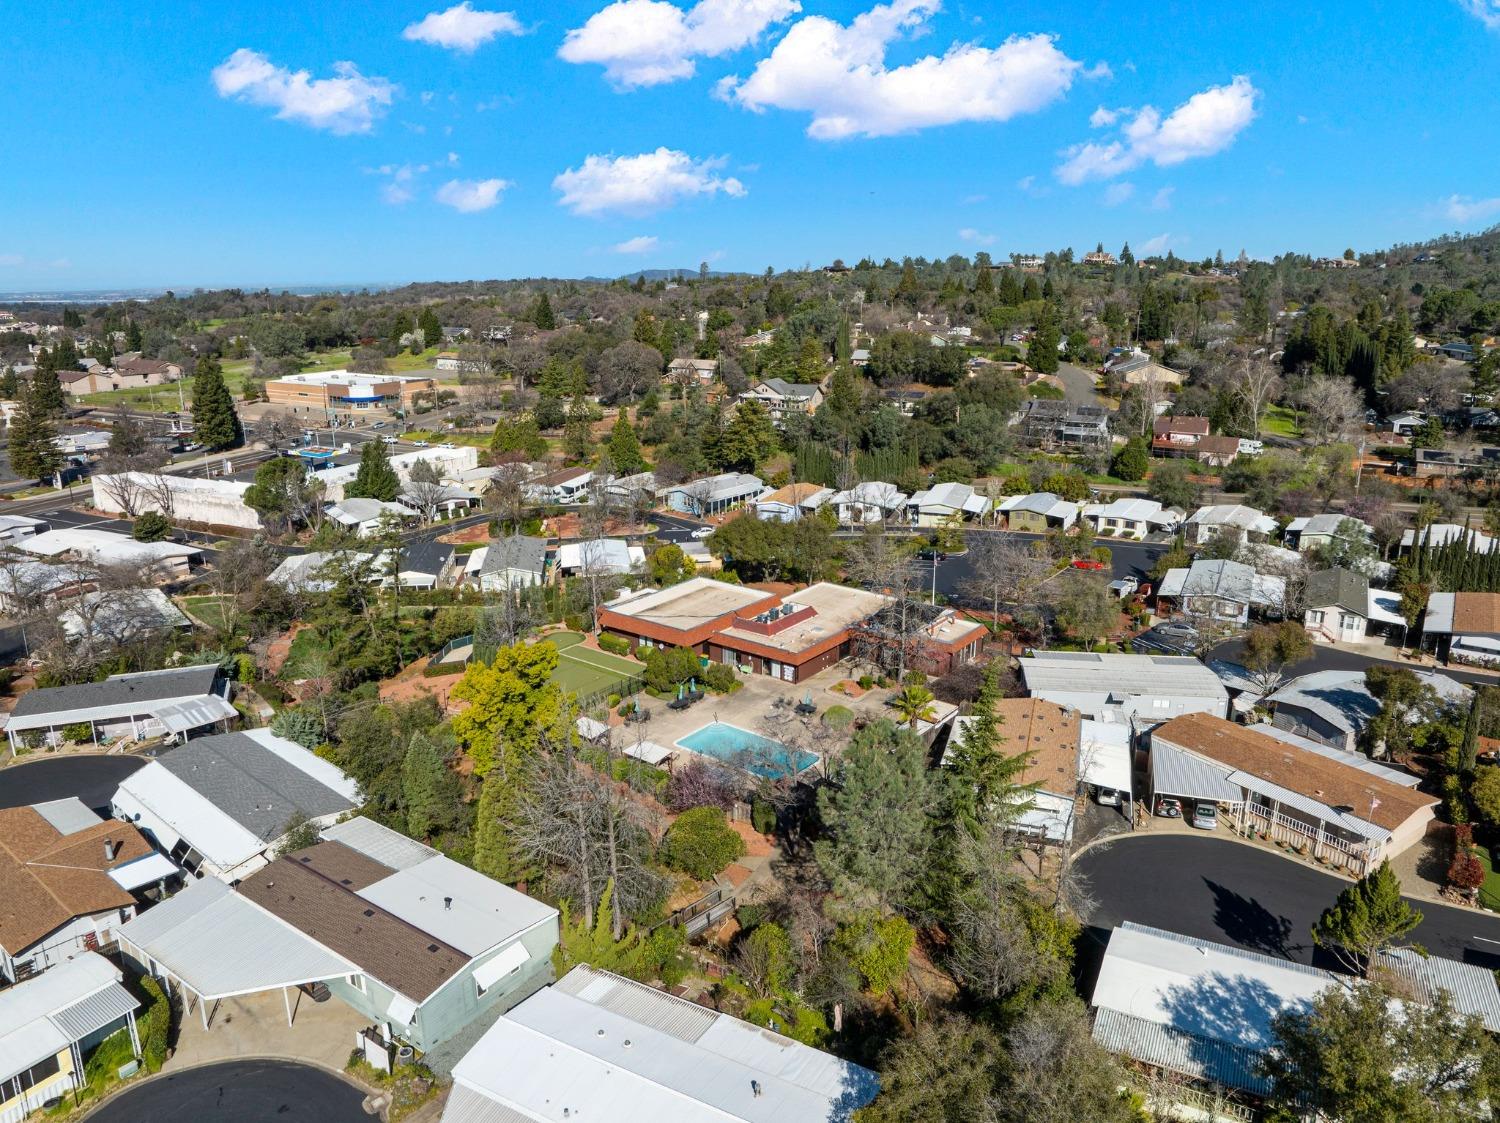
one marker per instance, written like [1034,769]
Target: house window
[356,981]
[1350,622]
[1314,616]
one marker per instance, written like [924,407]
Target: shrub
[878,949]
[700,784]
[298,725]
[615,645]
[1103,554]
[664,955]
[574,622]
[866,682]
[700,843]
[763,817]
[1466,870]
[613,700]
[80,733]
[838,717]
[1463,836]
[244,668]
[155,1025]
[153,526]
[719,677]
[764,959]
[667,667]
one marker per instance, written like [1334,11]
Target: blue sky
[273,143]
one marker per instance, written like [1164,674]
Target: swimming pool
[750,751]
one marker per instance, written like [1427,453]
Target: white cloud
[643,243]
[838,74]
[1205,124]
[648,42]
[470,195]
[970,200]
[1102,117]
[462,28]
[1486,11]
[1162,200]
[1025,182]
[11,259]
[349,102]
[1117,193]
[1100,71]
[641,184]
[1462,208]
[400,185]
[976,237]
[1158,245]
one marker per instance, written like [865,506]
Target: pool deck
[752,707]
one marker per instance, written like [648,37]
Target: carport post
[286,999]
[203,1009]
[135,1037]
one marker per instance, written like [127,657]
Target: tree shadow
[1214,1010]
[1250,924]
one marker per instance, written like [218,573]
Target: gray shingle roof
[119,690]
[252,785]
[1341,588]
[519,551]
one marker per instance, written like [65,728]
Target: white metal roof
[143,871]
[1194,1006]
[67,816]
[39,1017]
[221,944]
[1118,674]
[384,845]
[153,790]
[483,913]
[1179,773]
[193,713]
[104,546]
[1104,754]
[602,1051]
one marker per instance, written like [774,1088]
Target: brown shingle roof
[1476,613]
[401,956]
[1287,766]
[1219,446]
[48,878]
[792,493]
[1195,425]
[1048,731]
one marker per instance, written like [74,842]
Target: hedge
[700,843]
[155,1025]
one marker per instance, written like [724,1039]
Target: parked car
[1087,563]
[703,532]
[1108,797]
[447,444]
[1206,816]
[1168,808]
[420,444]
[388,439]
[1124,587]
[378,425]
[1171,638]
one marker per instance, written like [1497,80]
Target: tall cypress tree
[541,314]
[1468,751]
[625,448]
[432,331]
[33,442]
[46,389]
[215,424]
[376,479]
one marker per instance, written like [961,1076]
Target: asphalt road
[239,1092]
[675,528]
[93,779]
[1232,893]
[1129,559]
[1334,659]
[1079,384]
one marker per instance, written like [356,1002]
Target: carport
[1104,760]
[1187,777]
[212,944]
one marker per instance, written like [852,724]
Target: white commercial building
[450,463]
[105,547]
[217,502]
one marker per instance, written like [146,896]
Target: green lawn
[209,610]
[1489,892]
[1279,421]
[161,399]
[306,648]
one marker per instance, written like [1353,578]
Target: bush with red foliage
[700,784]
[1466,871]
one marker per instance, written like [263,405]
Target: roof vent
[598,1033]
[447,904]
[432,947]
[305,860]
[626,1043]
[369,912]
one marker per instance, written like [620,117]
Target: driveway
[1232,893]
[93,779]
[1078,385]
[239,1092]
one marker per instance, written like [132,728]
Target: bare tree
[506,495]
[1332,408]
[627,371]
[1257,384]
[425,491]
[889,639]
[523,360]
[1006,570]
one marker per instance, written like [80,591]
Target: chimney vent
[109,850]
[447,904]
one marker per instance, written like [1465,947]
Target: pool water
[750,751]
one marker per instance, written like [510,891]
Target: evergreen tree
[578,433]
[984,284]
[376,479]
[1041,352]
[215,424]
[541,313]
[624,448]
[1009,289]
[47,391]
[749,438]
[495,851]
[10,386]
[1468,750]
[1368,917]
[433,793]
[132,336]
[34,454]
[427,324]
[1133,461]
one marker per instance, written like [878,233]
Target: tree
[431,790]
[624,448]
[764,959]
[430,328]
[1485,794]
[669,565]
[1086,609]
[913,705]
[541,313]
[877,816]
[496,820]
[152,526]
[46,390]
[1058,1073]
[628,370]
[215,424]
[283,494]
[944,1071]
[1368,917]
[1171,484]
[1271,648]
[700,843]
[1468,749]
[1006,571]
[425,490]
[34,454]
[749,438]
[511,700]
[1349,1058]
[1333,410]
[1133,461]
[1041,352]
[375,479]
